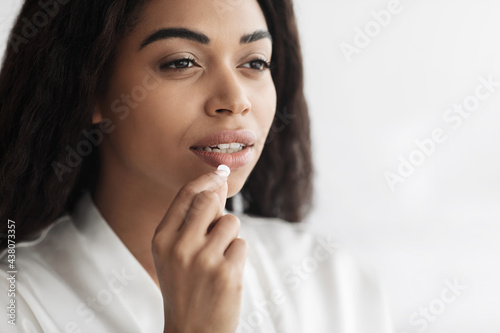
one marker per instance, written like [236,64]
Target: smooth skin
[163,202]
[204,270]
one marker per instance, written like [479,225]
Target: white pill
[224,168]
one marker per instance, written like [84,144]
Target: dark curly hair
[54,67]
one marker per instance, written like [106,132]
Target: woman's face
[192,75]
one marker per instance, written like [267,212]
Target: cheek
[148,137]
[140,120]
[264,106]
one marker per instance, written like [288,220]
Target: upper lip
[245,137]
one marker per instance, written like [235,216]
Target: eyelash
[166,66]
[266,64]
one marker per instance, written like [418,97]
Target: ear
[97,115]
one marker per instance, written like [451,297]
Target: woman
[114,118]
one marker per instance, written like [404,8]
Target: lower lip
[232,160]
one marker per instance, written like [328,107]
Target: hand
[199,259]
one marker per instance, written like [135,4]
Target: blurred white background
[376,84]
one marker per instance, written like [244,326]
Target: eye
[178,64]
[258,64]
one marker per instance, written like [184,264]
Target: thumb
[222,190]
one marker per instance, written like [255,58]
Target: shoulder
[292,250]
[273,228]
[25,267]
[39,258]
[301,244]
[48,240]
[280,237]
[312,267]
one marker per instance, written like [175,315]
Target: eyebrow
[255,36]
[199,37]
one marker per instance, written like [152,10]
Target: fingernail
[223,170]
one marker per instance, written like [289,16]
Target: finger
[176,213]
[222,193]
[224,231]
[237,253]
[204,210]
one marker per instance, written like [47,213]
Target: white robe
[77,276]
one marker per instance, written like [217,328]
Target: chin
[234,186]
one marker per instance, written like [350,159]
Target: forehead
[215,18]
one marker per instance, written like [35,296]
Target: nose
[227,94]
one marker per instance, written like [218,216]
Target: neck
[133,210]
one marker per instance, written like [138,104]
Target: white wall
[8,11]
[442,223]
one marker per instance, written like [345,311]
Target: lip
[232,160]
[227,136]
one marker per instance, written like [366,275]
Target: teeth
[224,148]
